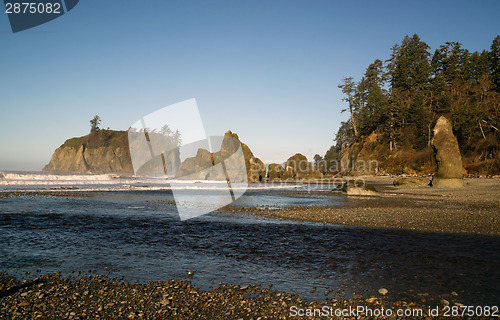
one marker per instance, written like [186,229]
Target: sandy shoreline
[473,209]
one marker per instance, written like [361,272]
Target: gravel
[98,297]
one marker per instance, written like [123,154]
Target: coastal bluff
[104,151]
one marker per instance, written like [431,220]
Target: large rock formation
[447,154]
[237,163]
[275,172]
[105,151]
[298,168]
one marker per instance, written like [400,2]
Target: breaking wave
[105,182]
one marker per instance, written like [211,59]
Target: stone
[298,168]
[383,291]
[275,172]
[447,155]
[412,182]
[358,188]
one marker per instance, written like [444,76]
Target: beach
[473,209]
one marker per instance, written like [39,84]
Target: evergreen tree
[318,162]
[177,138]
[331,159]
[349,89]
[494,62]
[409,66]
[94,123]
[374,97]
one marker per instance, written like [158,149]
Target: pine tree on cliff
[349,89]
[94,124]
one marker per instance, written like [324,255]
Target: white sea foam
[55,179]
[110,182]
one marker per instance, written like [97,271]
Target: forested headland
[394,107]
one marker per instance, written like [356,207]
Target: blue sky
[267,70]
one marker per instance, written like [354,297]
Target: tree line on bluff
[399,101]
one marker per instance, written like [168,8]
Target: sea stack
[447,155]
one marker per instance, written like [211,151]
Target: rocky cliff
[204,166]
[105,151]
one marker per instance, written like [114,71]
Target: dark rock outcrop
[105,151]
[447,155]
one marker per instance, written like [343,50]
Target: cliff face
[105,151]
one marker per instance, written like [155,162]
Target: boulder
[359,188]
[412,182]
[275,172]
[356,188]
[447,155]
[298,168]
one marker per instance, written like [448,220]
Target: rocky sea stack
[104,151]
[238,161]
[447,154]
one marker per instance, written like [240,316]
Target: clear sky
[267,70]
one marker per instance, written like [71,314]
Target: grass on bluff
[101,138]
